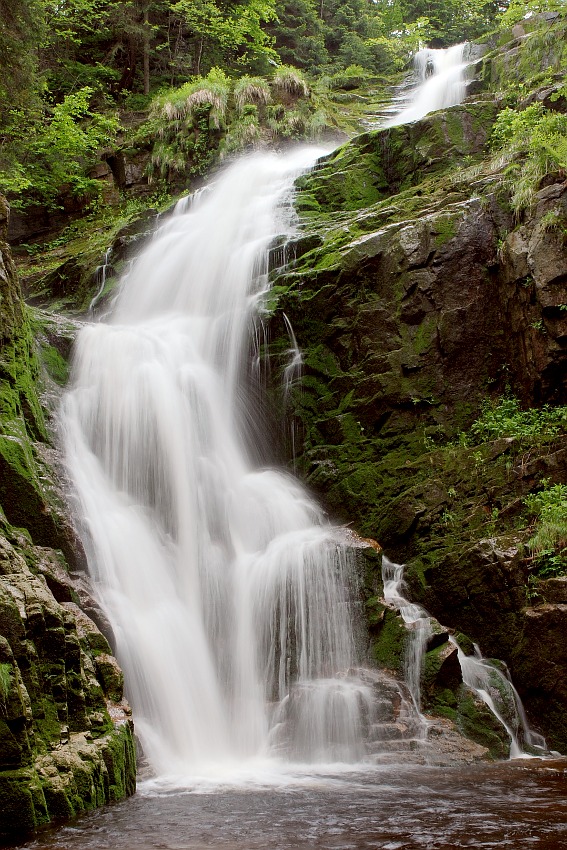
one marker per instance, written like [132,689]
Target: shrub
[251,91]
[505,418]
[290,80]
[56,151]
[182,104]
[531,143]
[549,542]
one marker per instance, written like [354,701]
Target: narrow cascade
[490,683]
[418,623]
[493,686]
[101,281]
[229,595]
[440,83]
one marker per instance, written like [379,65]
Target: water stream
[488,680]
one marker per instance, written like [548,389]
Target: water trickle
[229,595]
[100,274]
[417,622]
[487,679]
[494,687]
[439,81]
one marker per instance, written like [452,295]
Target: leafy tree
[518,9]
[233,34]
[21,29]
[56,152]
[300,35]
[452,20]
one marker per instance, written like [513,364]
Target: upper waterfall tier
[441,82]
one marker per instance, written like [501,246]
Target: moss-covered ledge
[66,736]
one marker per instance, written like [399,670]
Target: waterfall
[441,83]
[417,621]
[229,594]
[493,686]
[483,677]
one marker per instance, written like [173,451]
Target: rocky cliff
[421,300]
[66,741]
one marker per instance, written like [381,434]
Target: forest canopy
[70,68]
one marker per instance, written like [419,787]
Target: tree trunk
[146,58]
[199,55]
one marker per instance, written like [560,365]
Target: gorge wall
[417,294]
[66,740]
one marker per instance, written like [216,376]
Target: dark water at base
[513,805]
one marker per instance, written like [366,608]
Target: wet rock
[554,590]
[50,697]
[60,674]
[415,302]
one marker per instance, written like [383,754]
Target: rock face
[66,739]
[415,295]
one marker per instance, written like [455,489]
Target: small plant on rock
[5,683]
[290,80]
[549,541]
[253,91]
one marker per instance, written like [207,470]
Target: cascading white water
[229,595]
[441,83]
[418,623]
[482,676]
[496,690]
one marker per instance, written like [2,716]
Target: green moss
[120,761]
[56,365]
[16,804]
[445,228]
[46,720]
[476,721]
[387,649]
[58,804]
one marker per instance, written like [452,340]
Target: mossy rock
[387,649]
[22,804]
[475,720]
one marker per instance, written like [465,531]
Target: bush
[533,143]
[290,80]
[549,542]
[253,91]
[505,418]
[184,103]
[56,151]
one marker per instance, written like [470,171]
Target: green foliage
[184,123]
[549,541]
[251,91]
[451,21]
[21,28]
[505,418]
[193,126]
[290,81]
[185,103]
[56,151]
[351,78]
[5,681]
[532,142]
[233,33]
[520,9]
[299,34]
